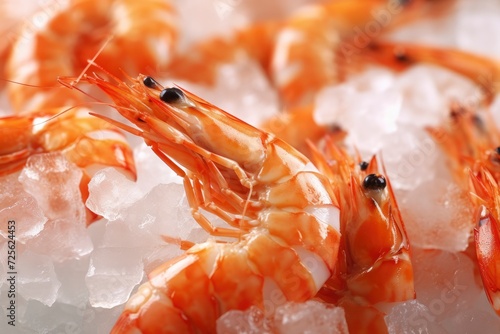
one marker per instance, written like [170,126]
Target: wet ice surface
[449,298]
[74,279]
[290,318]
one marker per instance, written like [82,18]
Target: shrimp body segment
[283,214]
[487,234]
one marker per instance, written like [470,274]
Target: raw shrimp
[487,233]
[74,34]
[374,266]
[84,140]
[471,144]
[300,54]
[485,72]
[61,46]
[282,212]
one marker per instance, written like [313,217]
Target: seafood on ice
[77,278]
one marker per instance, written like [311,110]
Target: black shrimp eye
[171,95]
[497,150]
[374,182]
[150,82]
[401,56]
[363,165]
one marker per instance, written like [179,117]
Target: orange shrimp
[300,54]
[282,212]
[85,140]
[487,233]
[485,72]
[374,266]
[143,30]
[470,142]
[73,33]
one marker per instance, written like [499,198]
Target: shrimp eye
[363,165]
[497,150]
[150,82]
[401,56]
[171,95]
[374,182]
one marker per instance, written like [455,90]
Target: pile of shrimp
[144,206]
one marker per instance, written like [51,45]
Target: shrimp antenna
[91,62]
[28,85]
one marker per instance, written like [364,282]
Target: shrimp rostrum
[282,213]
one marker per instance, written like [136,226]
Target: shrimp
[75,33]
[470,142]
[281,211]
[299,54]
[84,140]
[487,233]
[374,266]
[483,71]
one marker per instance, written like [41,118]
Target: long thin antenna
[91,61]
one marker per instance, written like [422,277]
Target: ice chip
[310,317]
[151,170]
[163,211]
[20,207]
[437,215]
[444,282]
[369,115]
[412,317]
[37,279]
[55,183]
[110,192]
[63,239]
[251,321]
[112,275]
[71,274]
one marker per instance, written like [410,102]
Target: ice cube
[63,239]
[412,317]
[37,279]
[219,18]
[368,114]
[428,91]
[478,318]
[444,282]
[55,183]
[59,318]
[19,206]
[71,274]
[310,317]
[100,320]
[477,21]
[163,211]
[110,192]
[112,275]
[437,215]
[151,170]
[251,321]
[410,156]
